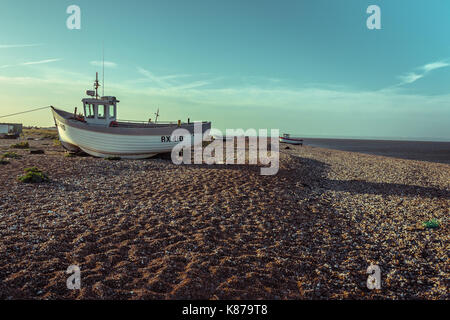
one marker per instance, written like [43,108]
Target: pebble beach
[149,229]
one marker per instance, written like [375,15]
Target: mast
[96,85]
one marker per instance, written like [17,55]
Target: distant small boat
[286,138]
[100,134]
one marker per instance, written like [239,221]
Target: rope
[15,114]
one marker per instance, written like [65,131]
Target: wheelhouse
[101,111]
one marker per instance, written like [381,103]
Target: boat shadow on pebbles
[314,174]
[346,225]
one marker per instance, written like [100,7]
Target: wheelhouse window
[101,112]
[89,111]
[111,111]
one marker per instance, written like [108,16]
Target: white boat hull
[100,144]
[109,145]
[291,141]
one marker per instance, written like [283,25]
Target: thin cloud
[290,98]
[30,63]
[435,65]
[152,77]
[176,76]
[108,64]
[171,82]
[410,77]
[195,84]
[9,46]
[413,76]
[39,62]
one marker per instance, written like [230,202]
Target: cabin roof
[102,100]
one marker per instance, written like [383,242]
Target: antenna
[157,115]
[103,81]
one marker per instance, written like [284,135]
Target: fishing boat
[98,132]
[286,138]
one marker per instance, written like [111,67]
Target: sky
[309,68]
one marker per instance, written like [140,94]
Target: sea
[433,151]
